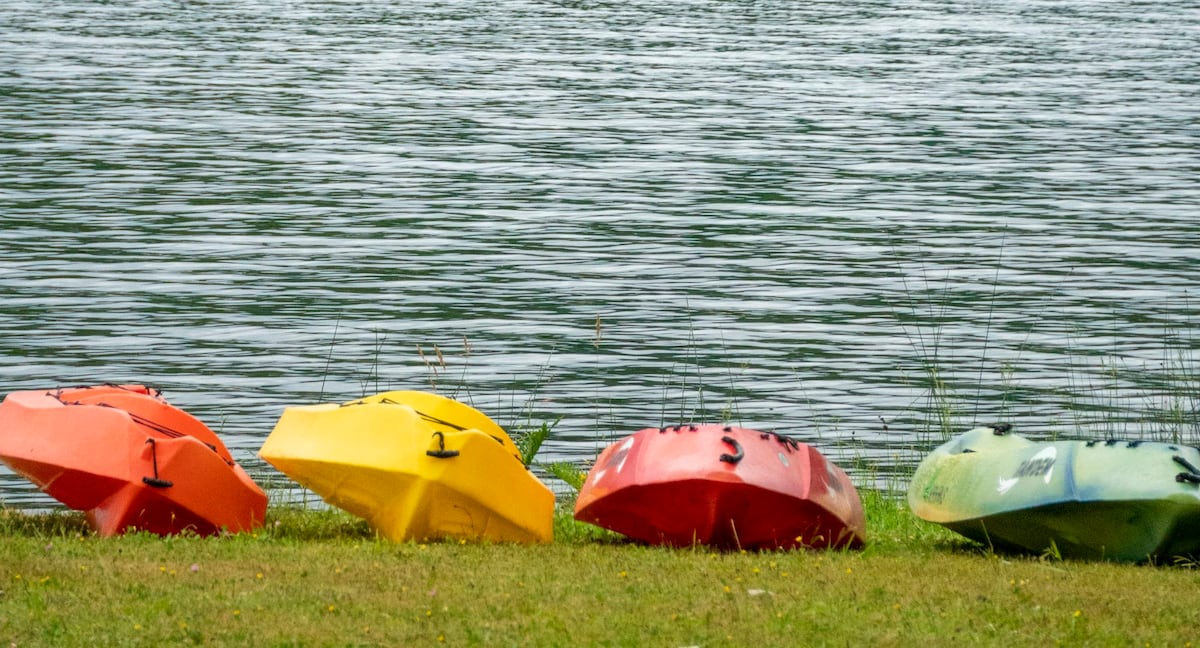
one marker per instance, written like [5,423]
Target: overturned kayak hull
[721,486]
[1124,501]
[129,459]
[414,474]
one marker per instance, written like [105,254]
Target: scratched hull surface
[1110,500]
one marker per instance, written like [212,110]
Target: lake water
[624,214]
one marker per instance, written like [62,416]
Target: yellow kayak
[416,466]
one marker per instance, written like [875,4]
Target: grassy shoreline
[319,577]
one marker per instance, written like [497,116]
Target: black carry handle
[155,481]
[1192,476]
[737,450]
[441,452]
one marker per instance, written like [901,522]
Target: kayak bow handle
[441,452]
[1192,476]
[155,481]
[738,453]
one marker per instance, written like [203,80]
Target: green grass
[315,578]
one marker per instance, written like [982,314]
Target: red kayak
[129,459]
[727,487]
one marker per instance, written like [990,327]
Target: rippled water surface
[791,215]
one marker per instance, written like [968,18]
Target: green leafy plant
[530,440]
[567,472]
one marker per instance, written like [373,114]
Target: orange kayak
[129,459]
[723,486]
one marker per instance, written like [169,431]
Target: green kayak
[1124,501]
